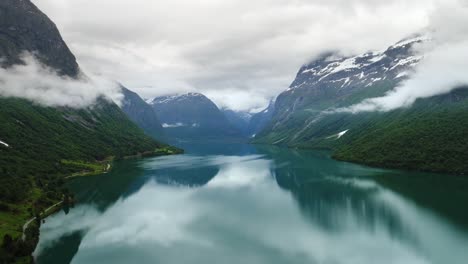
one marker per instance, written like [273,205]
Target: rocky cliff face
[24,28]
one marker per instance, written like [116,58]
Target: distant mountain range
[427,136]
[193,117]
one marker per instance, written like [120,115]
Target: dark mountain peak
[193,116]
[141,113]
[24,28]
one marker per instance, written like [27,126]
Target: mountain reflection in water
[264,205]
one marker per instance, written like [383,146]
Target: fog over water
[268,206]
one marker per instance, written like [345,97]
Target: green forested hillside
[40,137]
[431,136]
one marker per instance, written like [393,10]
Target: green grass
[85,168]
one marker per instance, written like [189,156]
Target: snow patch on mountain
[342,133]
[166,125]
[363,70]
[377,58]
[5,144]
[411,40]
[339,135]
[402,74]
[177,97]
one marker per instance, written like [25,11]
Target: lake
[259,204]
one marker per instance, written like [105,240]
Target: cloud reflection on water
[241,215]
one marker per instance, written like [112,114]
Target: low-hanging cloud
[443,69]
[41,84]
[160,47]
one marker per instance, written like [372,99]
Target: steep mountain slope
[193,116]
[40,145]
[141,114]
[260,120]
[23,27]
[333,81]
[238,119]
[426,136]
[429,136]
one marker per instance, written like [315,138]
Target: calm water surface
[246,204]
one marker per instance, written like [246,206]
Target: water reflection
[230,209]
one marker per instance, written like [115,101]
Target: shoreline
[335,157]
[86,174]
[107,169]
[26,225]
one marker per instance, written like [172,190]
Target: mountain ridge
[304,118]
[193,117]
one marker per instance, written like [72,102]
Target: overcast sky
[240,53]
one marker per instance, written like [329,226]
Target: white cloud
[254,47]
[38,83]
[165,125]
[443,68]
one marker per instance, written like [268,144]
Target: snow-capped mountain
[170,99]
[360,71]
[192,116]
[420,137]
[335,81]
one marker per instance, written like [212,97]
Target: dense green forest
[40,137]
[429,136]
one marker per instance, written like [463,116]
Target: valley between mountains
[41,145]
